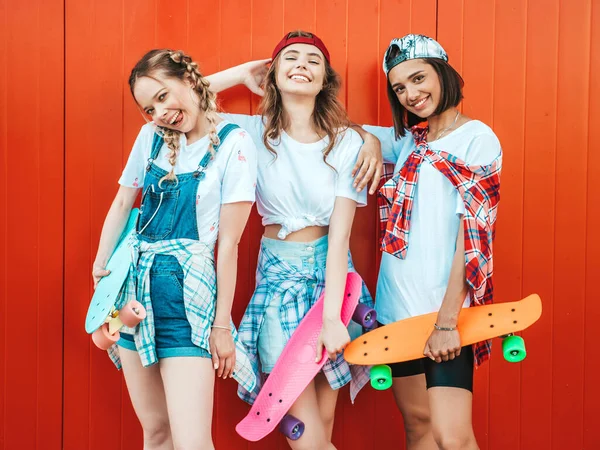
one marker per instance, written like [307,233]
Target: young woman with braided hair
[197,175]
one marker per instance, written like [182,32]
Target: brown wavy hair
[329,116]
[176,64]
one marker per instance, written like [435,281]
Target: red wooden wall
[67,122]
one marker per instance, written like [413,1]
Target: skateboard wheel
[132,313]
[103,339]
[364,316]
[381,377]
[291,427]
[513,348]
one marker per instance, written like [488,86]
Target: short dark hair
[451,84]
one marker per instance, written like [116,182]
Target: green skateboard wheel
[381,377]
[513,348]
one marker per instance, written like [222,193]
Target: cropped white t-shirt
[297,188]
[417,284]
[229,178]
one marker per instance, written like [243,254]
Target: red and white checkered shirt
[479,188]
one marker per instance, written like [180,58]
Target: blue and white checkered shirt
[278,278]
[199,295]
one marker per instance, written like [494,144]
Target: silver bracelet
[221,328]
[437,327]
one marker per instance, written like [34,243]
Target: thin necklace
[441,133]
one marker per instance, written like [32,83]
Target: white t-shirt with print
[297,189]
[416,285]
[230,176]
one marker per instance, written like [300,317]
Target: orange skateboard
[405,340]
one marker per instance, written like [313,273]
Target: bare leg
[189,388]
[451,418]
[411,397]
[147,395]
[327,399]
[306,408]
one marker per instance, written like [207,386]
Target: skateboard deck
[295,368]
[405,340]
[109,287]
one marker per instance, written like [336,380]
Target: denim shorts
[305,256]
[172,329]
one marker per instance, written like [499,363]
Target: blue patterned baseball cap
[411,46]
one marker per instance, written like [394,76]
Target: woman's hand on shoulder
[369,164]
[253,73]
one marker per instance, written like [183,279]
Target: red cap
[301,40]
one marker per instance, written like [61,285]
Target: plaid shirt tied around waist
[199,294]
[479,188]
[278,278]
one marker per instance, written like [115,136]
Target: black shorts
[452,373]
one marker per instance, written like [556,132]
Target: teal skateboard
[103,321]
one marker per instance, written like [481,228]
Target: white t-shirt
[229,178]
[417,284]
[297,189]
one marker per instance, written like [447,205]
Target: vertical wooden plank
[569,239]
[23,126]
[591,408]
[538,218]
[299,15]
[3,210]
[172,24]
[508,113]
[93,161]
[77,233]
[331,27]
[32,165]
[50,242]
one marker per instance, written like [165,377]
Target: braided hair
[177,64]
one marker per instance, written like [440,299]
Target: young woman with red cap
[307,198]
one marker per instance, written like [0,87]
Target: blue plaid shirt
[199,294]
[278,278]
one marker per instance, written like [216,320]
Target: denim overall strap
[228,128]
[168,209]
[157,142]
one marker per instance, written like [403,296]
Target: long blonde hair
[329,116]
[176,64]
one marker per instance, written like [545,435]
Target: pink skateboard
[296,367]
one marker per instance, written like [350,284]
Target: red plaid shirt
[478,186]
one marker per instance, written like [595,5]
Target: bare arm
[251,74]
[232,222]
[369,164]
[113,227]
[445,345]
[334,335]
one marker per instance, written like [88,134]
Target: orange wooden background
[67,123]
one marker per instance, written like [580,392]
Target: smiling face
[417,87]
[168,102]
[300,70]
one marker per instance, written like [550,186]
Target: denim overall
[168,212]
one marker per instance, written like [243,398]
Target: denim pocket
[157,213]
[177,280]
